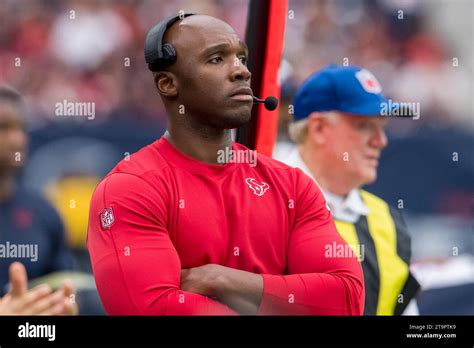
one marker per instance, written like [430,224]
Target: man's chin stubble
[236,121]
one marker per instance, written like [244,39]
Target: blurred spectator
[31,229]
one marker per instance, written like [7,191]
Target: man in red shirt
[174,231]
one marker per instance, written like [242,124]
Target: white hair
[298,130]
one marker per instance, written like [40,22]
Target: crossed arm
[316,285]
[240,290]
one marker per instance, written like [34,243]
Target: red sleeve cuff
[273,294]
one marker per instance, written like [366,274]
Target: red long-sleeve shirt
[160,211]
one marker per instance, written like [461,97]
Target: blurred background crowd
[92,51]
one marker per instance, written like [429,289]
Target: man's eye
[215,60]
[365,126]
[243,59]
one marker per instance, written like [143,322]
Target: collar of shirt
[347,209]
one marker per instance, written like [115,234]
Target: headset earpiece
[169,52]
[159,55]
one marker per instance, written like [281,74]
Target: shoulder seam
[132,174]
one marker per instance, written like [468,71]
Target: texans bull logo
[258,188]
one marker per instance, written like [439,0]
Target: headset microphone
[270,103]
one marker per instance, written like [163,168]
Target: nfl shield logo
[107,218]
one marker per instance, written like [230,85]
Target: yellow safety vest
[384,244]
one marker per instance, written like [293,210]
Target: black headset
[159,54]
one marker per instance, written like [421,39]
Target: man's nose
[379,139]
[240,71]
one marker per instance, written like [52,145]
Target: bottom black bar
[429,331]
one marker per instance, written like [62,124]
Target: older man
[339,131]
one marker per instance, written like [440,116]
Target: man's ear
[316,125]
[166,83]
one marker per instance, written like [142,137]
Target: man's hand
[38,301]
[204,280]
[240,290]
